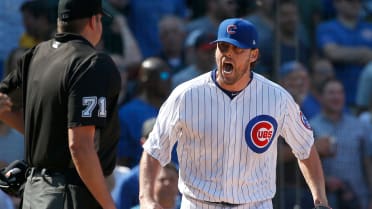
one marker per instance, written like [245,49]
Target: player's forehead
[225,47]
[226,44]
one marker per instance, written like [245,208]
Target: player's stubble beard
[238,73]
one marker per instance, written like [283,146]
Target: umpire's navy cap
[238,32]
[78,9]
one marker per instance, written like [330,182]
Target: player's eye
[223,47]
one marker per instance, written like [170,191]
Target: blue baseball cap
[238,32]
[289,67]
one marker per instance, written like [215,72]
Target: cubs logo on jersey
[260,132]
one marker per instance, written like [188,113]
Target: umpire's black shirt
[66,83]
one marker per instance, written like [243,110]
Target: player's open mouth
[227,68]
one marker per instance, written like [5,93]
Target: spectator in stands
[11,141]
[202,52]
[311,14]
[165,187]
[292,189]
[347,42]
[11,28]
[216,11]
[263,18]
[172,37]
[118,5]
[364,90]
[143,20]
[37,23]
[128,192]
[118,40]
[322,70]
[294,77]
[154,88]
[293,41]
[347,161]
[11,145]
[5,201]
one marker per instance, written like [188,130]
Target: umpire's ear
[254,55]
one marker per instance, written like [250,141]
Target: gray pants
[51,191]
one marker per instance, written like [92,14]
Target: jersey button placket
[231,165]
[226,135]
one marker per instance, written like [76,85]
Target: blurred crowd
[319,50]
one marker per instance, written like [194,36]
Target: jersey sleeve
[93,89]
[165,132]
[297,131]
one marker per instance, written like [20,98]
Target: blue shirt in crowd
[353,141]
[334,32]
[132,116]
[143,20]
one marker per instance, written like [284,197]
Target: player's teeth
[227,68]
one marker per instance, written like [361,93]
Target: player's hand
[5,103]
[150,205]
[321,204]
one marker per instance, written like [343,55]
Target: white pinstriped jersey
[227,148]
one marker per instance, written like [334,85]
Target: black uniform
[66,83]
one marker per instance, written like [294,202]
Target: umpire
[69,116]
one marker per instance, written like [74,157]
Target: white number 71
[90,103]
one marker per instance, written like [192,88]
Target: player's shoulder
[196,83]
[185,88]
[103,64]
[270,84]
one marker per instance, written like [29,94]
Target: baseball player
[70,121]
[227,123]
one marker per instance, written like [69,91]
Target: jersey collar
[231,94]
[65,37]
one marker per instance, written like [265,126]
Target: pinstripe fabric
[188,203]
[217,163]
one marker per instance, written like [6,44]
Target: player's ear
[142,140]
[254,55]
[93,21]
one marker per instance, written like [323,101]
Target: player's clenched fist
[5,103]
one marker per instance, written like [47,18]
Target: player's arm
[12,118]
[149,168]
[84,156]
[312,171]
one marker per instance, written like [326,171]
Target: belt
[70,174]
[221,204]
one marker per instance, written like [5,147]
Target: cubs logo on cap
[260,132]
[231,29]
[238,32]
